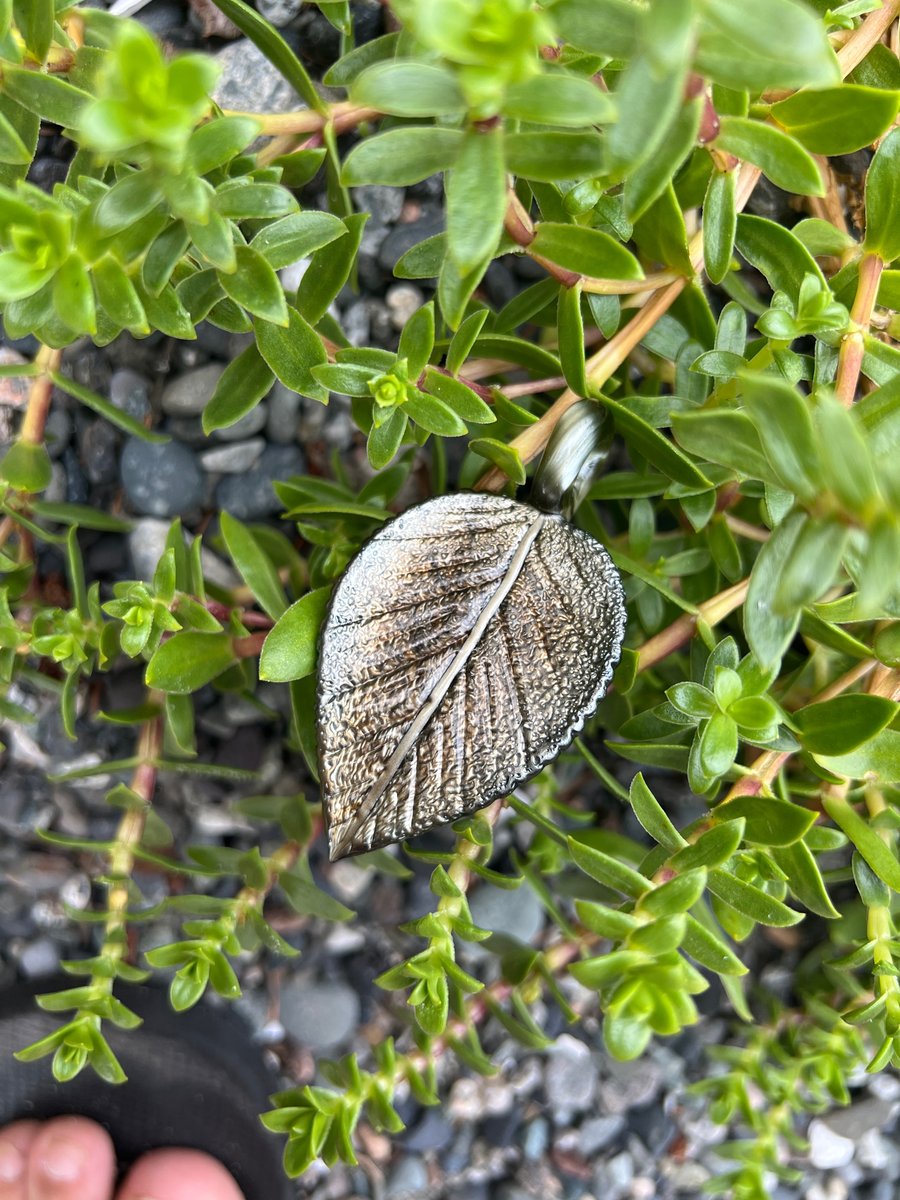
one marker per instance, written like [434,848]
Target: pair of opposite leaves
[463,648]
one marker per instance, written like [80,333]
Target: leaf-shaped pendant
[463,648]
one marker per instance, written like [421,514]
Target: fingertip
[71,1157]
[176,1174]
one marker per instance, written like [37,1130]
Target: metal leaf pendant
[464,646]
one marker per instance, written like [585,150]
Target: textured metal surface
[464,646]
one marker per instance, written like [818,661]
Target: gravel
[161,480]
[321,1016]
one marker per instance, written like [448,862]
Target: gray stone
[161,480]
[130,391]
[854,1120]
[249,83]
[383,202]
[536,1140]
[629,1085]
[284,415]
[597,1133]
[251,495]
[433,1132]
[828,1149]
[232,457]
[571,1076]
[408,1178]
[404,237]
[248,426]
[99,451]
[321,1016]
[55,491]
[403,301]
[39,958]
[356,323]
[613,1179]
[57,431]
[279,12]
[187,395]
[873,1151]
[516,913]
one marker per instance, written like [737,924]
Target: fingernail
[12,1164]
[62,1160]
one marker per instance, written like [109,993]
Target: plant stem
[853,344]
[712,611]
[861,41]
[342,116]
[39,396]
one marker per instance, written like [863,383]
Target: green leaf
[879,757]
[254,565]
[837,120]
[26,467]
[719,224]
[129,198]
[267,39]
[293,237]
[454,393]
[385,440]
[652,176]
[304,897]
[329,271]
[105,408]
[402,156]
[73,296]
[767,822]
[712,849]
[709,950]
[476,198]
[557,98]
[804,878]
[606,27]
[241,386]
[587,251]
[48,96]
[188,660]
[769,632]
[505,458]
[433,415]
[546,157]
[219,141]
[771,43]
[786,431]
[255,286]
[883,199]
[408,88]
[778,156]
[607,870]
[118,295]
[751,901]
[867,841]
[417,340]
[811,569]
[289,651]
[571,339]
[656,447]
[648,93]
[774,251]
[840,725]
[292,353]
[12,148]
[355,61]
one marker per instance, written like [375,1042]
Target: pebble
[597,1133]
[321,1016]
[613,1179]
[854,1120]
[248,426]
[828,1149]
[284,414]
[536,1140]
[99,451]
[403,301]
[407,1178]
[249,83]
[130,391]
[187,395]
[55,491]
[433,1132]
[384,203]
[404,237]
[250,495]
[873,1151]
[39,958]
[57,431]
[161,480]
[279,12]
[571,1077]
[516,913]
[232,457]
[628,1085]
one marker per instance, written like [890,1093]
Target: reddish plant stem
[853,344]
[681,631]
[250,646]
[39,396]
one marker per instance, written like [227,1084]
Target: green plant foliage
[750,369]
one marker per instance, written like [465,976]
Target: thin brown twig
[853,344]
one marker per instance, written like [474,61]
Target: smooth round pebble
[161,479]
[188,394]
[321,1016]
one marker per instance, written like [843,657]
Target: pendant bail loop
[578,447]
